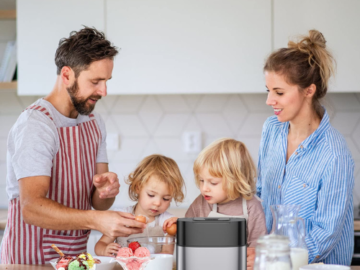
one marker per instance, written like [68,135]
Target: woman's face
[287,101]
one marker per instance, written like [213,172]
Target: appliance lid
[211,232]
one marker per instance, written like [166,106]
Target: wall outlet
[192,141]
[112,141]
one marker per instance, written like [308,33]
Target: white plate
[107,263]
[324,267]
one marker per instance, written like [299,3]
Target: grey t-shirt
[33,142]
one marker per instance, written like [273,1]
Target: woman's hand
[112,249]
[250,258]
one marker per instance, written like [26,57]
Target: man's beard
[80,104]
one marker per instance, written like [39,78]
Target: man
[57,163]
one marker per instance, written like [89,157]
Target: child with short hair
[225,173]
[154,183]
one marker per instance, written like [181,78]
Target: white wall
[151,124]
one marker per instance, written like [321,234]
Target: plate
[107,263]
[324,267]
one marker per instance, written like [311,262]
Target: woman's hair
[304,63]
[82,48]
[230,160]
[164,168]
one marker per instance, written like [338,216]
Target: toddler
[225,173]
[154,183]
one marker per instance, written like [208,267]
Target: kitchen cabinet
[202,46]
[40,26]
[338,20]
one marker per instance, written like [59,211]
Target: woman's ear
[310,91]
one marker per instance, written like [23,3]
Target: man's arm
[104,197]
[43,212]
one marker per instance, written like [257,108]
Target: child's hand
[169,222]
[250,258]
[112,249]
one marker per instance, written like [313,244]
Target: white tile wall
[154,124]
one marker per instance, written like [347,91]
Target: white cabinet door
[338,20]
[40,26]
[189,46]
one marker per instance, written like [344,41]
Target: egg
[141,219]
[172,229]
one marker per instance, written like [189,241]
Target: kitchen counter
[49,267]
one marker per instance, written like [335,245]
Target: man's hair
[82,48]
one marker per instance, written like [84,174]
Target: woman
[303,160]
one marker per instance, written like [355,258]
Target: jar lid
[273,238]
[273,242]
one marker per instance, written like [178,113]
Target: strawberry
[134,245]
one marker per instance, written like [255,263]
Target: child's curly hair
[164,168]
[230,160]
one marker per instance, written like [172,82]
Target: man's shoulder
[36,113]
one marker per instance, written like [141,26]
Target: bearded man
[57,167]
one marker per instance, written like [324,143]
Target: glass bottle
[273,253]
[287,223]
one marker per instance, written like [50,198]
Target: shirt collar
[316,135]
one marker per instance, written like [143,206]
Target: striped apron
[70,185]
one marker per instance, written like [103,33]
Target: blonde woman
[303,160]
[153,185]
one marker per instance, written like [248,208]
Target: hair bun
[316,37]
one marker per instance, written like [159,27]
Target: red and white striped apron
[70,185]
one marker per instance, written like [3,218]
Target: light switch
[112,141]
[192,141]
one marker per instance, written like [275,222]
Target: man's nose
[103,90]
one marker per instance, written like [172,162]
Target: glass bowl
[161,249]
[156,244]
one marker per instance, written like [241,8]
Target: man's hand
[107,185]
[117,224]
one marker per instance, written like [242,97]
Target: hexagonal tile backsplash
[150,124]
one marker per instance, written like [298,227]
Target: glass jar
[272,253]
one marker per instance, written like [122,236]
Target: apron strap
[244,204]
[214,207]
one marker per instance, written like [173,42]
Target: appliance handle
[356,233]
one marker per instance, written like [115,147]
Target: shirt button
[279,186]
[296,153]
[301,146]
[317,257]
[304,185]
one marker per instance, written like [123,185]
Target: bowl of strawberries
[161,249]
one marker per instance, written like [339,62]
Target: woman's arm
[334,201]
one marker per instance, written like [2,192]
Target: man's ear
[310,91]
[67,75]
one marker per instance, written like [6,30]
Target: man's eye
[95,83]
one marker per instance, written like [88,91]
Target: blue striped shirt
[319,176]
